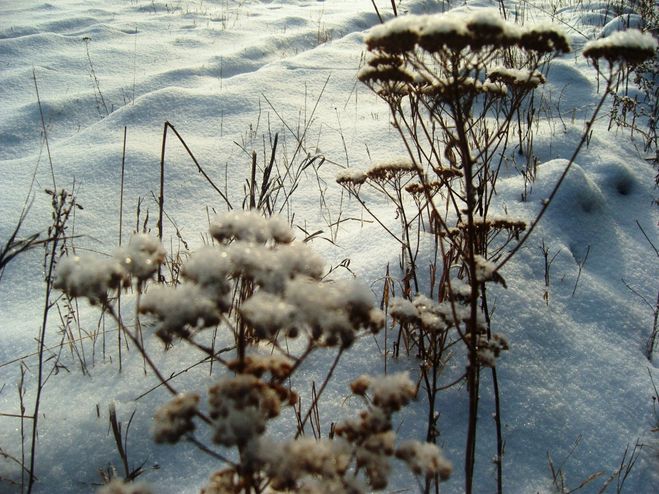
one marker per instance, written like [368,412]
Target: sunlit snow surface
[229,75]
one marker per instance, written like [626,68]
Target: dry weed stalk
[455,85]
[288,299]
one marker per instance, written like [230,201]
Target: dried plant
[289,299]
[457,86]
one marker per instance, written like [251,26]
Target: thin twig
[300,430]
[548,201]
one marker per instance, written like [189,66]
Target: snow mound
[621,23]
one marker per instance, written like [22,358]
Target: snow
[229,75]
[621,23]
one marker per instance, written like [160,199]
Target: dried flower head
[178,310]
[385,74]
[118,486]
[376,466]
[240,407]
[492,224]
[279,366]
[444,31]
[210,268]
[628,47]
[489,349]
[544,38]
[290,465]
[517,78]
[174,419]
[268,314]
[390,392]
[454,32]
[89,277]
[384,59]
[271,268]
[331,312]
[250,226]
[424,459]
[350,176]
[225,481]
[395,36]
[142,257]
[487,271]
[487,28]
[403,310]
[418,189]
[390,169]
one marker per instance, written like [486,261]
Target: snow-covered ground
[229,75]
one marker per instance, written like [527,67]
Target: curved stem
[547,202]
[320,392]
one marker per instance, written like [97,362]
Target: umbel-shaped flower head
[93,277]
[629,47]
[457,31]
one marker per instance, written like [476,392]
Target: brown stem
[300,429]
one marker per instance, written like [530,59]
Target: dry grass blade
[122,443]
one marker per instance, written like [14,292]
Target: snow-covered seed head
[118,486]
[142,257]
[376,466]
[89,277]
[627,47]
[241,406]
[210,269]
[384,74]
[377,320]
[175,418]
[419,189]
[249,226]
[179,309]
[279,366]
[332,313]
[544,38]
[424,459]
[372,421]
[390,169]
[390,393]
[350,176]
[209,266]
[485,270]
[403,310]
[225,481]
[290,464]
[487,28]
[516,78]
[268,314]
[456,32]
[489,349]
[444,31]
[386,60]
[396,36]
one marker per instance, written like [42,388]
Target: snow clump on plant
[249,226]
[118,486]
[93,277]
[265,288]
[374,439]
[631,47]
[90,277]
[142,257]
[180,310]
[457,31]
[175,418]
